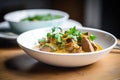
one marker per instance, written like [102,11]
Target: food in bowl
[29,39]
[17,26]
[69,41]
[45,17]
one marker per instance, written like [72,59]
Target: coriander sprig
[92,37]
[74,33]
[56,34]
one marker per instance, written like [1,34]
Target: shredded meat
[72,47]
[69,46]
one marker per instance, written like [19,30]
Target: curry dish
[69,41]
[45,17]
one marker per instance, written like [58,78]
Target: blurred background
[101,14]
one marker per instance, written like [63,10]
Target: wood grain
[16,65]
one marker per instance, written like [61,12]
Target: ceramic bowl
[18,26]
[29,39]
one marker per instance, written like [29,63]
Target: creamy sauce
[64,51]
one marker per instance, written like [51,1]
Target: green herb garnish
[92,37]
[41,17]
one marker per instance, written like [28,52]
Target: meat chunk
[72,47]
[86,44]
[86,34]
[94,45]
[69,46]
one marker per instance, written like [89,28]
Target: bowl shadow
[25,64]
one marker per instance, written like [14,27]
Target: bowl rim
[72,54]
[63,13]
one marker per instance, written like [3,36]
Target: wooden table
[16,65]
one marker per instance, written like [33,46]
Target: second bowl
[18,24]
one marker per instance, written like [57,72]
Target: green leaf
[53,36]
[42,40]
[53,29]
[92,37]
[58,37]
[77,33]
[60,29]
[48,35]
[71,31]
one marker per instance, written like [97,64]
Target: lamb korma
[69,41]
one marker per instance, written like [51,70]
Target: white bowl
[29,39]
[18,26]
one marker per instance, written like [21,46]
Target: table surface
[15,64]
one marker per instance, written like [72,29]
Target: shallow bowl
[29,39]
[17,26]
